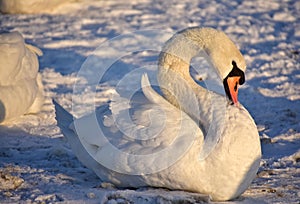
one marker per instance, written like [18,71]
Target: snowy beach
[36,162]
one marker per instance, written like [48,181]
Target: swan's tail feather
[34,49]
[63,118]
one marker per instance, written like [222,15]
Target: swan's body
[21,90]
[212,147]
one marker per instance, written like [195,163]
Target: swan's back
[145,138]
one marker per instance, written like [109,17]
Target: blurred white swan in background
[30,6]
[190,138]
[21,89]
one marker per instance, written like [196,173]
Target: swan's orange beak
[233,83]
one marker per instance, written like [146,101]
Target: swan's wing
[135,138]
[153,96]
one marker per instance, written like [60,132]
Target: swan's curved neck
[174,77]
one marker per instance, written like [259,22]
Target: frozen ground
[36,163]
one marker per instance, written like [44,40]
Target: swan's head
[228,61]
[221,52]
[232,81]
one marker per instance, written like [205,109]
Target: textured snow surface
[36,163]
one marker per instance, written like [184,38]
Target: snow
[36,163]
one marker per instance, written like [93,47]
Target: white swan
[21,89]
[200,143]
[29,6]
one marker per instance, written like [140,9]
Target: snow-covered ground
[36,163]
